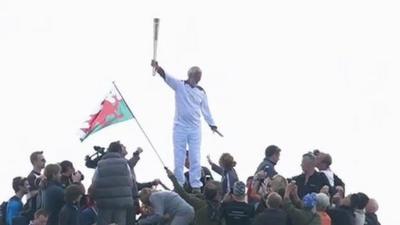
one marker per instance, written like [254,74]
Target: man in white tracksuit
[190,101]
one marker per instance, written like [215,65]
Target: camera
[92,160]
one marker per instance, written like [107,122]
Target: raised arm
[171,81]
[215,167]
[158,68]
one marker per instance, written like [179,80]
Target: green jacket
[200,205]
[300,216]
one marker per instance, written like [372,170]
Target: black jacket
[371,219]
[69,215]
[341,215]
[53,201]
[314,184]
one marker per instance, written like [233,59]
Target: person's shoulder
[200,88]
[31,174]
[298,177]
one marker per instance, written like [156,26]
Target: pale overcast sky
[298,74]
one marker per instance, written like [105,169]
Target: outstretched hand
[215,130]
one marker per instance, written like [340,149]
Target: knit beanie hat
[239,189]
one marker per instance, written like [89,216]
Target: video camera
[92,160]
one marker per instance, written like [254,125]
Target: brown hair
[41,212]
[34,156]
[51,171]
[326,158]
[274,200]
[145,194]
[226,160]
[18,182]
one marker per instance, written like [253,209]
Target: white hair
[322,201]
[194,69]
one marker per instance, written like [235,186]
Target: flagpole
[140,126]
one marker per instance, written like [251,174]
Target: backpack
[3,213]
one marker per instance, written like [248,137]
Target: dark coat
[53,201]
[271,217]
[113,183]
[69,215]
[267,166]
[314,184]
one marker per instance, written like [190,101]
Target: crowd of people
[54,195]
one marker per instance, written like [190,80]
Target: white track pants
[184,137]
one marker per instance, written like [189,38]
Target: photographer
[113,186]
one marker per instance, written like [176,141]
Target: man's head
[144,195]
[274,200]
[53,172]
[73,193]
[372,206]
[20,185]
[308,163]
[359,200]
[194,75]
[213,191]
[67,168]
[273,153]
[323,161]
[322,202]
[116,146]
[277,184]
[37,159]
[40,217]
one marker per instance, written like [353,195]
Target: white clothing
[189,102]
[329,174]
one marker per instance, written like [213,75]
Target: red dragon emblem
[102,117]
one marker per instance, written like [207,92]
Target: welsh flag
[113,109]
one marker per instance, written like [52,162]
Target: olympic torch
[156,23]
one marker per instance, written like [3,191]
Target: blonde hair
[278,183]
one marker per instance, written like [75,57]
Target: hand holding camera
[138,151]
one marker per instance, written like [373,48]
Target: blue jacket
[268,166]
[14,208]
